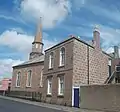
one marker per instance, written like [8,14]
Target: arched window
[18,78]
[62,56]
[29,78]
[51,60]
[41,77]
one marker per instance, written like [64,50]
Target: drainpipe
[88,61]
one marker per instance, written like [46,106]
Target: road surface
[13,106]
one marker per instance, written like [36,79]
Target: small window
[62,56]
[49,88]
[51,60]
[29,78]
[41,77]
[18,78]
[61,85]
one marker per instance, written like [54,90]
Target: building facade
[5,84]
[115,67]
[28,75]
[71,64]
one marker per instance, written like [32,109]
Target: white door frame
[77,87]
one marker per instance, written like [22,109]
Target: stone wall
[90,65]
[67,70]
[80,63]
[36,76]
[56,50]
[65,99]
[98,66]
[100,97]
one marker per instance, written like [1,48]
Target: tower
[37,45]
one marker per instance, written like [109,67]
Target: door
[76,97]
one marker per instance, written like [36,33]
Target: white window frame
[27,83]
[62,59]
[49,81]
[51,60]
[18,75]
[41,78]
[60,80]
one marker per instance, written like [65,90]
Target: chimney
[116,52]
[96,36]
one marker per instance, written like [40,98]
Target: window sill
[61,66]
[50,68]
[49,95]
[40,86]
[28,86]
[60,96]
[17,86]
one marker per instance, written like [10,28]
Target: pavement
[8,104]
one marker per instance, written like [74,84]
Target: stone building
[65,67]
[115,67]
[71,64]
[5,84]
[28,75]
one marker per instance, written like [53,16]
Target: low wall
[36,96]
[100,97]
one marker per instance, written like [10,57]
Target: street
[13,106]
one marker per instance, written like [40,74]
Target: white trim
[48,86]
[19,73]
[73,94]
[59,89]
[30,79]
[60,58]
[50,60]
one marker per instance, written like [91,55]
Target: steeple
[37,45]
[38,37]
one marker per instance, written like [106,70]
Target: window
[60,85]
[29,78]
[51,60]
[36,45]
[41,76]
[18,79]
[62,56]
[49,89]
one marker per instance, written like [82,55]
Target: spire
[37,45]
[38,37]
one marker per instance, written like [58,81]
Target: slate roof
[32,61]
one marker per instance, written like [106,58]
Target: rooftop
[32,61]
